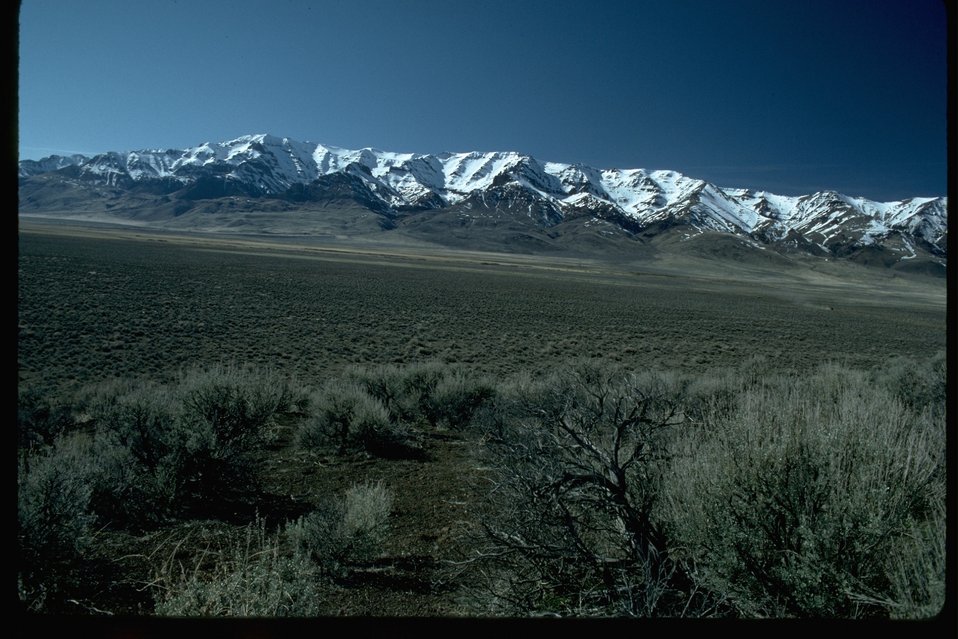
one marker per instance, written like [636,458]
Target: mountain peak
[269,165]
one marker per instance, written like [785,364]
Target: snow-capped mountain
[548,193]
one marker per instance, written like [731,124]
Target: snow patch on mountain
[271,165]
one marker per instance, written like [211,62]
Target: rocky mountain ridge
[633,202]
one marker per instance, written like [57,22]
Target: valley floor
[95,300]
[98,303]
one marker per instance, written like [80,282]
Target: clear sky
[787,96]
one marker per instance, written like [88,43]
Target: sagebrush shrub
[345,529]
[227,413]
[142,441]
[366,516]
[347,418]
[54,519]
[126,494]
[238,403]
[53,499]
[456,398]
[165,450]
[917,572]
[139,417]
[919,385]
[41,418]
[795,503]
[405,391]
[429,394]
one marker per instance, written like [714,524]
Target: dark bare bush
[571,529]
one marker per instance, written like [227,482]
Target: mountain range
[458,195]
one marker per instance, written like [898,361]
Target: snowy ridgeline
[272,165]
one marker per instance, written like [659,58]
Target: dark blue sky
[791,97]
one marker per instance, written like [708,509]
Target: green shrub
[796,503]
[405,391]
[168,450]
[513,399]
[712,396]
[139,416]
[54,497]
[40,419]
[367,507]
[54,519]
[346,530]
[917,571]
[226,415]
[428,394]
[456,398]
[137,446]
[778,495]
[348,418]
[386,383]
[239,404]
[919,385]
[125,493]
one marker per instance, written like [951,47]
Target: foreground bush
[163,451]
[919,385]
[815,497]
[345,530]
[136,451]
[744,493]
[405,391]
[281,574]
[571,529]
[54,519]
[226,416]
[456,399]
[384,410]
[146,453]
[731,493]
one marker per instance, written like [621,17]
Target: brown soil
[435,501]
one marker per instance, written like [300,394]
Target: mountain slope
[473,185]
